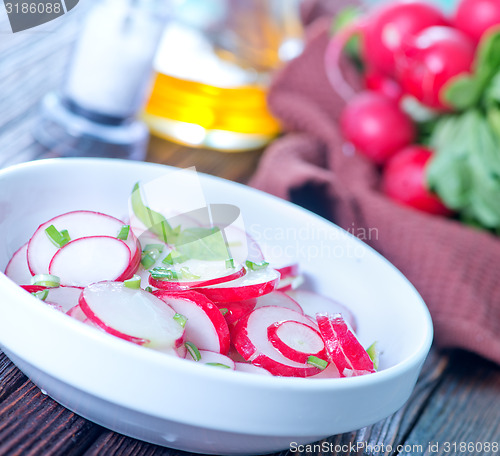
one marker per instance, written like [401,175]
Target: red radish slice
[279,299]
[213,359]
[79,224]
[17,270]
[131,314]
[33,288]
[296,341]
[205,327]
[209,273]
[250,368]
[91,259]
[252,285]
[331,371]
[64,297]
[314,303]
[251,341]
[290,283]
[290,270]
[236,310]
[342,346]
[76,312]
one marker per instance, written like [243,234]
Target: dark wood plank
[10,377]
[465,408]
[32,424]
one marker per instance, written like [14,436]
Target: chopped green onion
[148,289]
[256,266]
[187,274]
[373,353]
[147,261]
[225,366]
[181,319]
[163,274]
[153,247]
[124,232]
[317,362]
[174,257]
[134,282]
[58,238]
[224,311]
[230,263]
[41,295]
[46,280]
[193,351]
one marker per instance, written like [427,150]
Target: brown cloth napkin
[456,269]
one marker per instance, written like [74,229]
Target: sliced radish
[131,314]
[91,259]
[330,372]
[54,306]
[314,303]
[290,283]
[342,346]
[33,288]
[279,299]
[236,310]
[205,327]
[252,285]
[296,341]
[242,246]
[76,312]
[199,273]
[250,368]
[17,269]
[64,297]
[213,359]
[251,340]
[79,224]
[290,270]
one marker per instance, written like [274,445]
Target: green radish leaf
[462,92]
[487,59]
[154,221]
[345,18]
[493,116]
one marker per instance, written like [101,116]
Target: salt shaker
[108,79]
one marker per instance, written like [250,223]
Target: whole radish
[383,32]
[378,82]
[474,17]
[376,126]
[404,180]
[430,60]
[391,25]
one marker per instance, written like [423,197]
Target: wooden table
[457,398]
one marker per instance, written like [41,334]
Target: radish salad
[190,290]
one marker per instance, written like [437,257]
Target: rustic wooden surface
[457,398]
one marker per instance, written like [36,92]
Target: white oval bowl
[179,404]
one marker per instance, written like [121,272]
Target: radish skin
[206,327]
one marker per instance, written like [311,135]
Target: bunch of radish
[423,71]
[185,299]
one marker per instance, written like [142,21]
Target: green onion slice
[230,263]
[193,351]
[223,311]
[374,354]
[174,257]
[41,295]
[46,280]
[134,282]
[225,366]
[187,274]
[160,273]
[153,247]
[181,319]
[317,362]
[147,261]
[256,266]
[58,238]
[124,232]
[148,289]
